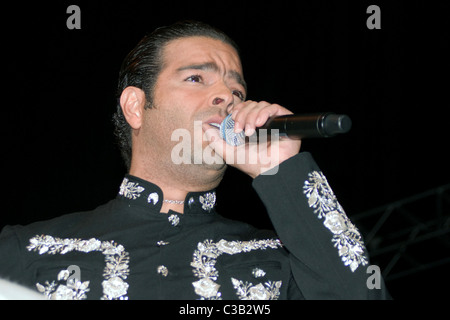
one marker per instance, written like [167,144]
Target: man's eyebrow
[208,66]
[211,66]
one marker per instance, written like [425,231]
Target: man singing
[161,237]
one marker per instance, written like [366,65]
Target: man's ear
[132,101]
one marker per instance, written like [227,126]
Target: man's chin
[213,162]
[216,167]
[210,172]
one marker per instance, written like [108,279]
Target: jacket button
[174,220]
[162,270]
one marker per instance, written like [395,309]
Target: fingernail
[249,130]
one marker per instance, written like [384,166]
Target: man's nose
[223,99]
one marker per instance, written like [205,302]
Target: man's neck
[176,185]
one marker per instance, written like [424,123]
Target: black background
[58,97]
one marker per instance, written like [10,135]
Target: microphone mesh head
[227,132]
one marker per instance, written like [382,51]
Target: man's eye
[195,78]
[239,94]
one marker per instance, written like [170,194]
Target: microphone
[292,126]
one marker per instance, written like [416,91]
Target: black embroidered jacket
[128,249]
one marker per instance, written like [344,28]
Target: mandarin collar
[143,193]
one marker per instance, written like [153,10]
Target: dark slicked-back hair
[143,65]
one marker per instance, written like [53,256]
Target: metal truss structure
[409,236]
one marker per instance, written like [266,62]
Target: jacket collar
[140,192]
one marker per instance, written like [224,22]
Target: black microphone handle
[314,125]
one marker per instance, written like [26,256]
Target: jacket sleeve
[327,254]
[11,259]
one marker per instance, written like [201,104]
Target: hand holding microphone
[292,126]
[264,118]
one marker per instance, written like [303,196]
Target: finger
[256,115]
[241,117]
[240,106]
[240,114]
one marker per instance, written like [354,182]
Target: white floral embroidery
[207,289]
[205,258]
[64,288]
[247,291]
[130,190]
[115,288]
[115,272]
[153,198]
[346,237]
[208,201]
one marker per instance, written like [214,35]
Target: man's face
[201,80]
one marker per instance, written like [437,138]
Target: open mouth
[215,125]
